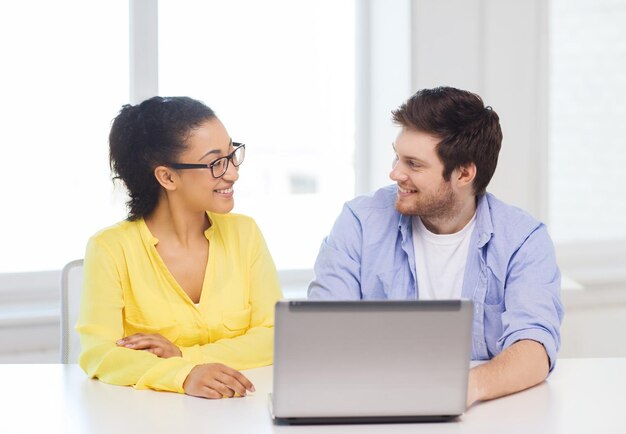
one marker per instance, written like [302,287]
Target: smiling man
[437,234]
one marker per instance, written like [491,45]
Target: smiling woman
[180,295]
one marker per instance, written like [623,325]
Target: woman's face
[198,188]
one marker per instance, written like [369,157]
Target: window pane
[64,75]
[280,75]
[588,113]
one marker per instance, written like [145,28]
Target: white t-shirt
[440,260]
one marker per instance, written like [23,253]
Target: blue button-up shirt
[511,272]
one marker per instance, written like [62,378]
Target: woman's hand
[153,343]
[215,380]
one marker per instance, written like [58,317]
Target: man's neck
[453,221]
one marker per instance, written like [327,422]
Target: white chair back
[71,290]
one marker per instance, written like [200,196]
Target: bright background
[309,87]
[283,76]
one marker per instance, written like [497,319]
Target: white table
[582,396]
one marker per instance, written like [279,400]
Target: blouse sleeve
[100,325]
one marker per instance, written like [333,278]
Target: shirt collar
[405,227]
[484,226]
[145,233]
[150,239]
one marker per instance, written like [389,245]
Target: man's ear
[465,175]
[166,177]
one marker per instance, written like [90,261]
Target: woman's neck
[174,224]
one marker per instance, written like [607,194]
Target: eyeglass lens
[220,166]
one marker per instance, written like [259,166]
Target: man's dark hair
[469,131]
[148,135]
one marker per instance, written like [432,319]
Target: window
[588,113]
[280,75]
[64,77]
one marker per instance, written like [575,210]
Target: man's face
[418,171]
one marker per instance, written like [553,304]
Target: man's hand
[215,380]
[522,365]
[153,343]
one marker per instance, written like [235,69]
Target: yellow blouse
[128,289]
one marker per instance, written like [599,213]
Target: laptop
[370,361]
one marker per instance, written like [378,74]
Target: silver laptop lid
[371,358]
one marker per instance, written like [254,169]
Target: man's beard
[440,205]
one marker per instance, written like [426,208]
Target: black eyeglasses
[219,166]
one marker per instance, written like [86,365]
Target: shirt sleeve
[100,325]
[533,308]
[255,347]
[338,265]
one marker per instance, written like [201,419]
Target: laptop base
[359,420]
[355,419]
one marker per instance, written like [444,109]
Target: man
[437,234]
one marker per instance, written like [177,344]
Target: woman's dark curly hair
[148,135]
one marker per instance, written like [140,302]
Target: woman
[180,295]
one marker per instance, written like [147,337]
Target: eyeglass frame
[229,159]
